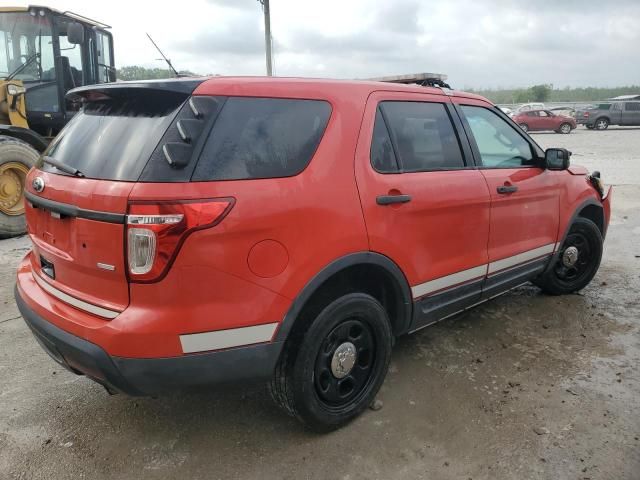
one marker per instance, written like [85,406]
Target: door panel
[524,197]
[439,237]
[525,219]
[631,113]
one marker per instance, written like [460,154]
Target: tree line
[546,93]
[535,93]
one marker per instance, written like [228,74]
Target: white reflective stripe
[521,258]
[73,301]
[234,337]
[448,281]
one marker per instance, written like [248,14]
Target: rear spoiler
[105,91]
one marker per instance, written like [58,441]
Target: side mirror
[75,33]
[556,158]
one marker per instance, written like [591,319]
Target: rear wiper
[62,167]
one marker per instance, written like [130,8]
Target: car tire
[570,273]
[565,128]
[16,159]
[524,127]
[601,124]
[331,373]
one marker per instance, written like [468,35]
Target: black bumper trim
[151,376]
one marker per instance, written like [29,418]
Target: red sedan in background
[537,120]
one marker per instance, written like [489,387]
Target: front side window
[262,138]
[499,144]
[26,51]
[424,136]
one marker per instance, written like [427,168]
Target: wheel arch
[26,135]
[366,272]
[590,209]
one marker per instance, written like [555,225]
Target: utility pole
[267,34]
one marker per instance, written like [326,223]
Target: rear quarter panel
[280,233]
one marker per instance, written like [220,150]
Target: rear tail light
[156,231]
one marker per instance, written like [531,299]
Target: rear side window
[383,158]
[262,138]
[423,135]
[632,106]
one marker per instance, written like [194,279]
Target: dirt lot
[524,387]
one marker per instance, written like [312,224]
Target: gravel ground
[615,152]
[527,386]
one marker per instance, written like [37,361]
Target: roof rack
[422,79]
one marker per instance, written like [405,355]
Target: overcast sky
[498,43]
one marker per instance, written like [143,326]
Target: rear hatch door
[76,222]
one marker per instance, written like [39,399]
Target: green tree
[136,72]
[541,93]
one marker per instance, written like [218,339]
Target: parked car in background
[506,110]
[194,232]
[567,111]
[600,116]
[540,120]
[527,107]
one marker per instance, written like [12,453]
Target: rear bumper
[150,376]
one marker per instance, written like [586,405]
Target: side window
[262,138]
[617,107]
[383,157]
[71,60]
[632,106]
[542,113]
[103,48]
[424,136]
[499,144]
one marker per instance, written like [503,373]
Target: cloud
[476,42]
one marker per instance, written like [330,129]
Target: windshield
[25,41]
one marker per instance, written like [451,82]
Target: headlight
[15,89]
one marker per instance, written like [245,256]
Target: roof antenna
[175,72]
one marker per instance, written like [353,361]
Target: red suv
[540,120]
[192,232]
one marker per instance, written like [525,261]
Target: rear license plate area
[47,268]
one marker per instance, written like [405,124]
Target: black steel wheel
[344,363]
[577,261]
[330,373]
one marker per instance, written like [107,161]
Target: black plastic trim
[67,210]
[359,258]
[500,282]
[178,85]
[151,376]
[431,309]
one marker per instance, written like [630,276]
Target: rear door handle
[507,189]
[391,199]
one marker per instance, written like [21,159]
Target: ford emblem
[38,184]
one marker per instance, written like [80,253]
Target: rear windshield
[113,139]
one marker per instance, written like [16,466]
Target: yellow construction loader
[43,54]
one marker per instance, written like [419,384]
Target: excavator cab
[44,53]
